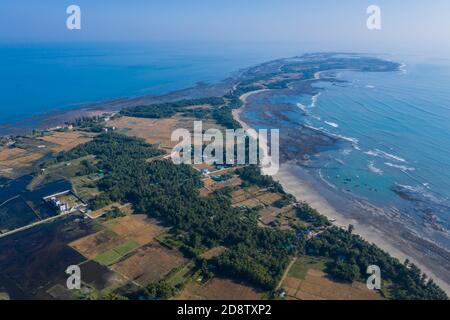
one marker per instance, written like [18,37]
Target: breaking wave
[385,155]
[374,169]
[403,168]
[332,124]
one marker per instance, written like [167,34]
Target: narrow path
[286,272]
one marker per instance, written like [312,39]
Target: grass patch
[126,247]
[112,256]
[109,224]
[303,264]
[169,241]
[108,258]
[179,276]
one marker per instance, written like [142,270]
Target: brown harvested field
[239,196]
[268,215]
[204,192]
[93,245]
[317,286]
[254,191]
[136,228]
[13,159]
[233,182]
[252,197]
[157,131]
[250,203]
[219,289]
[149,264]
[67,140]
[269,198]
[210,185]
[288,210]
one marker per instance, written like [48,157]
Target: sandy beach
[388,241]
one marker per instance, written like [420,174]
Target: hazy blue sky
[408,26]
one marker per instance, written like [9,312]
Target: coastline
[59,116]
[302,188]
[303,191]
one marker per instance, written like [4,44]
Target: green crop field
[303,264]
[112,256]
[108,258]
[126,247]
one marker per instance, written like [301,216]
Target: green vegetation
[90,124]
[158,291]
[252,175]
[179,276]
[108,258]
[311,215]
[112,256]
[255,255]
[126,247]
[170,193]
[351,255]
[113,214]
[168,109]
[303,263]
[113,296]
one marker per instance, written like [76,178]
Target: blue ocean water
[42,77]
[397,125]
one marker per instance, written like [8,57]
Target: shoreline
[59,116]
[303,191]
[291,182]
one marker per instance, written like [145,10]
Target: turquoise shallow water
[397,125]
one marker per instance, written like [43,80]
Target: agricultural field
[136,227]
[66,140]
[253,196]
[149,264]
[209,185]
[118,237]
[96,244]
[306,280]
[218,289]
[124,250]
[86,187]
[13,161]
[279,217]
[157,131]
[268,215]
[19,159]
